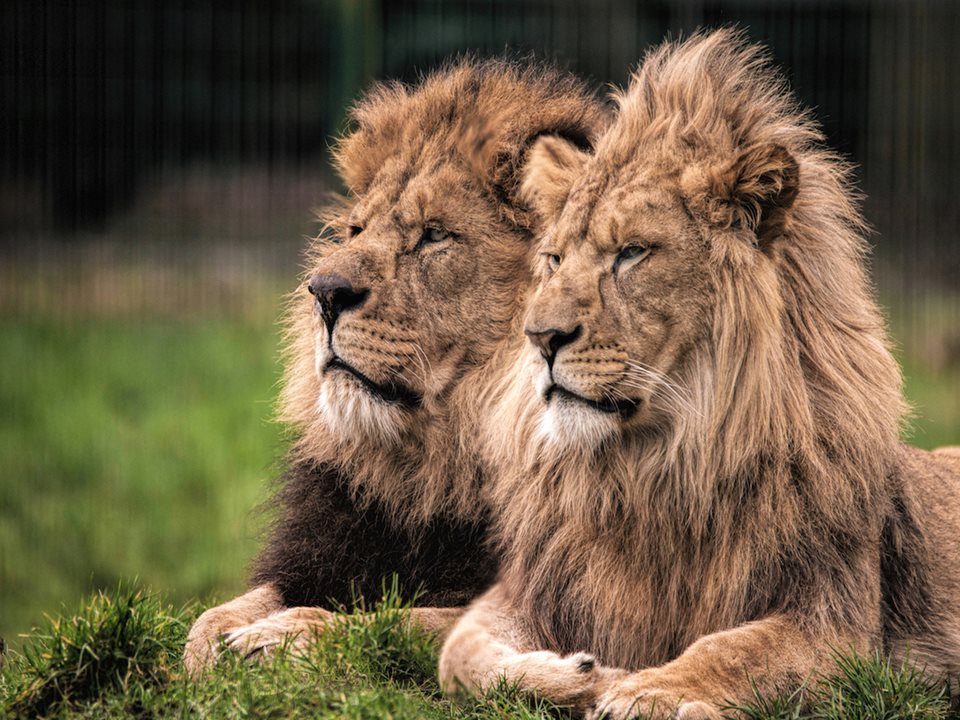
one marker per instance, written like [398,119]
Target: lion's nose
[551,340]
[335,295]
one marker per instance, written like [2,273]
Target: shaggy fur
[434,242]
[705,487]
[445,154]
[312,557]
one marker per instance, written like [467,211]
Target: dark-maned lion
[705,487]
[391,338]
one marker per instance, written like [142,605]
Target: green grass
[118,656]
[926,330]
[934,395]
[861,688]
[131,449]
[142,447]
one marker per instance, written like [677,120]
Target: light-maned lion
[391,338]
[706,487]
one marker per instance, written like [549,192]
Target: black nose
[550,341]
[335,295]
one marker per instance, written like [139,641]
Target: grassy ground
[130,449]
[118,656]
[926,330]
[935,398]
[139,447]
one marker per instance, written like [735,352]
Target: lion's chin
[352,413]
[575,426]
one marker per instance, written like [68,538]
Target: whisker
[426,364]
[418,368]
[396,373]
[673,393]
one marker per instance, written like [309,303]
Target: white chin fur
[348,409]
[571,425]
[351,413]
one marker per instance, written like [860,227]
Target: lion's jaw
[350,409]
[565,422]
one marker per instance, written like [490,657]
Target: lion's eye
[630,255]
[553,261]
[432,235]
[354,230]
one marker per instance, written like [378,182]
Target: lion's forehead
[414,193]
[645,210]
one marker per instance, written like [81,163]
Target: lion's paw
[630,700]
[206,637]
[205,640]
[570,681]
[292,629]
[697,710]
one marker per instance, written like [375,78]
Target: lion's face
[426,277]
[423,269]
[642,245]
[622,298]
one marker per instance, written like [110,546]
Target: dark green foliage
[876,689]
[122,643]
[863,688]
[119,657]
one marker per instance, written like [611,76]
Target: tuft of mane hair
[766,489]
[486,111]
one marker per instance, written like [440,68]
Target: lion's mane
[768,490]
[351,511]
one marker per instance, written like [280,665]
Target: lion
[703,493]
[399,321]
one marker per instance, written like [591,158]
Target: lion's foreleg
[488,645]
[436,621]
[769,656]
[297,627]
[204,639]
[293,628]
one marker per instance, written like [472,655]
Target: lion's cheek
[450,285]
[321,354]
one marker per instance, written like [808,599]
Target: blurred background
[160,165]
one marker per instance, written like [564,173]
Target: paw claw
[257,652]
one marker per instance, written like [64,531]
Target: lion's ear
[552,165]
[754,191]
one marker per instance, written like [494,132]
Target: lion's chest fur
[636,587]
[635,595]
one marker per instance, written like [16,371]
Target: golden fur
[702,485]
[447,153]
[435,239]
